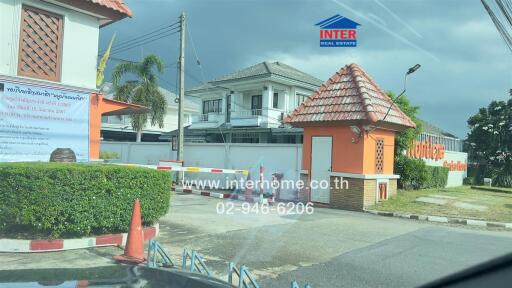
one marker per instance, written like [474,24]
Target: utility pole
[182,87]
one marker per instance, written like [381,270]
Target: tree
[489,143]
[403,139]
[143,90]
[408,169]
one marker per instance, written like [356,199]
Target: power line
[505,7]
[145,35]
[144,38]
[133,61]
[146,41]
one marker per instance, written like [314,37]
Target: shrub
[106,155]
[468,181]
[79,199]
[412,172]
[436,177]
[415,174]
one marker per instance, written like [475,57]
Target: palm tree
[143,90]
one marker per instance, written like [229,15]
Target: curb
[442,219]
[31,246]
[219,195]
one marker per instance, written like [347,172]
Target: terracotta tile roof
[349,95]
[117,5]
[267,69]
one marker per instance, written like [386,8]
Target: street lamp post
[410,71]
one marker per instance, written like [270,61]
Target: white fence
[275,158]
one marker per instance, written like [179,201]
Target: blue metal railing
[245,277]
[294,284]
[156,251]
[196,262]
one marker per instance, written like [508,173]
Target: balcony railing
[202,118]
[209,117]
[246,113]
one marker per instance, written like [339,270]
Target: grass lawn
[499,203]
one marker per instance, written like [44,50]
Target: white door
[320,168]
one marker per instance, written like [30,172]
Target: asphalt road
[408,260]
[330,248]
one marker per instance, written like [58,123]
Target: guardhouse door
[321,153]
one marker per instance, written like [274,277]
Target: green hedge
[61,199]
[436,177]
[415,174]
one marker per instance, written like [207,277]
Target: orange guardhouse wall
[370,150]
[348,157]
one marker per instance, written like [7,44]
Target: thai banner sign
[34,121]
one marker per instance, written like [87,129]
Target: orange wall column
[370,146]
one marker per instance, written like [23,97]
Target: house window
[379,156]
[212,106]
[40,48]
[301,98]
[275,101]
[256,104]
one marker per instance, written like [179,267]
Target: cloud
[465,63]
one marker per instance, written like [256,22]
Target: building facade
[48,57]
[248,106]
[439,148]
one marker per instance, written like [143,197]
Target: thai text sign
[34,121]
[426,150]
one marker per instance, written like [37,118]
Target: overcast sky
[465,63]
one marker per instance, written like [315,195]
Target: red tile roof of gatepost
[349,95]
[117,5]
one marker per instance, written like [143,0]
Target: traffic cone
[134,249]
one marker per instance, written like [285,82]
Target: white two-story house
[248,106]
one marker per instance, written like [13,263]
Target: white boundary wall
[275,158]
[455,178]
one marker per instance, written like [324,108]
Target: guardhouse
[349,133]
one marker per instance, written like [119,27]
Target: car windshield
[269,143]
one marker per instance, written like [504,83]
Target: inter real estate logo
[338,31]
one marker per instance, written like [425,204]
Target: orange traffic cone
[134,249]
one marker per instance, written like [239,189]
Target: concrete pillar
[266,105]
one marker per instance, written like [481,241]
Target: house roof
[109,10]
[267,69]
[429,128]
[349,95]
[117,5]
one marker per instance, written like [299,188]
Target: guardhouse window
[40,48]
